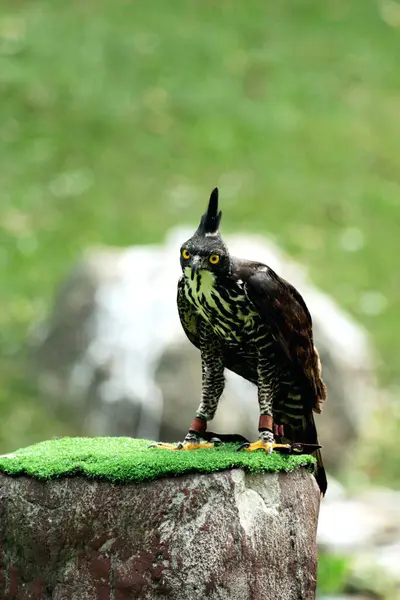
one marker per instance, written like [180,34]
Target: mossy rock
[123,459]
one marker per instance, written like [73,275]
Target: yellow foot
[193,446]
[266,446]
[182,446]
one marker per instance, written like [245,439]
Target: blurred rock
[113,350]
[365,527]
[367,577]
[348,525]
[368,520]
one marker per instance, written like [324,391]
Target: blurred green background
[117,118]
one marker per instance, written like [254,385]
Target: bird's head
[205,250]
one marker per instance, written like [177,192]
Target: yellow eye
[185,253]
[214,259]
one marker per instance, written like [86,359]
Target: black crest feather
[211,219]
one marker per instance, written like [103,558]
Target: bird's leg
[213,382]
[268,386]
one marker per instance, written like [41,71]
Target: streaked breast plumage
[227,310]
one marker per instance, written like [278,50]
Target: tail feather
[320,473]
[320,387]
[311,437]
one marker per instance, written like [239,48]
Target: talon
[216,441]
[196,446]
[243,446]
[266,446]
[163,446]
[260,445]
[182,446]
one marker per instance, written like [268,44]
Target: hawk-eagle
[244,317]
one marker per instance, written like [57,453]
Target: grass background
[117,119]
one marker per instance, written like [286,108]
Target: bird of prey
[244,317]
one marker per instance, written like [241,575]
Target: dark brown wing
[285,311]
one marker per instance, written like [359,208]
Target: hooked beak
[196,265]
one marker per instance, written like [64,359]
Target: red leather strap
[198,425]
[265,422]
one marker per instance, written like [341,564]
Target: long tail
[320,474]
[319,385]
[311,437]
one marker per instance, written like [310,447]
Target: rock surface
[113,351]
[228,535]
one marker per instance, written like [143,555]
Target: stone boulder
[113,351]
[222,536]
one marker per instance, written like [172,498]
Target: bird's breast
[227,309]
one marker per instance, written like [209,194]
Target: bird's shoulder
[243,269]
[264,285]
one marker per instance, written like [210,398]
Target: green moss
[126,459]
